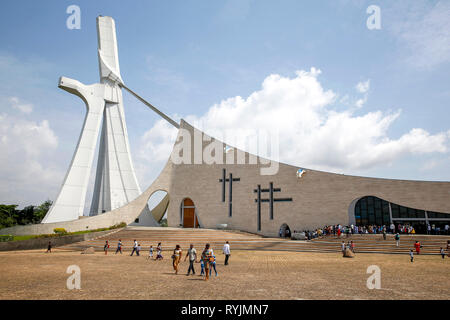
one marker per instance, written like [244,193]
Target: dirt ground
[250,275]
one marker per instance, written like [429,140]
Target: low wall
[42,243]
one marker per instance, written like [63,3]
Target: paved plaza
[250,275]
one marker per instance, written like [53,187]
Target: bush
[117,226]
[5,238]
[60,231]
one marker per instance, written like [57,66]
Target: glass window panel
[363,203]
[385,208]
[420,214]
[395,211]
[403,212]
[377,203]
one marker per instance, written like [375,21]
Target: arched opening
[285,231]
[188,214]
[373,211]
[155,211]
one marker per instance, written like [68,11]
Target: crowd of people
[338,230]
[207,259]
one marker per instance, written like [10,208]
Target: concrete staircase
[169,237]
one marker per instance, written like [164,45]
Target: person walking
[352,246]
[207,256]
[176,257]
[226,252]
[159,255]
[49,247]
[192,254]
[442,253]
[106,247]
[417,246]
[384,234]
[213,266]
[138,249]
[343,246]
[411,254]
[150,253]
[135,245]
[119,247]
[397,238]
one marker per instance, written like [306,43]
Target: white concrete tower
[115,181]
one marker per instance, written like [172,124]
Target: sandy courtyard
[250,275]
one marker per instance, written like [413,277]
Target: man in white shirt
[135,248]
[226,252]
[447,228]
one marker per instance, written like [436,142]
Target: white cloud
[360,102]
[425,29]
[28,170]
[26,108]
[363,87]
[311,133]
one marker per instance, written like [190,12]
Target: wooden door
[189,217]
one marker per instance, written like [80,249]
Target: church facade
[233,191]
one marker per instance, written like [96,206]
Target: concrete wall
[42,243]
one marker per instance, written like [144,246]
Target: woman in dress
[207,258]
[177,252]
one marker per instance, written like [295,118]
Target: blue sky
[188,56]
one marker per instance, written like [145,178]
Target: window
[373,210]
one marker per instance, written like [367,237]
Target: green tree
[41,211]
[163,222]
[10,216]
[7,215]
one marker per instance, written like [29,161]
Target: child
[213,265]
[105,247]
[119,247]
[411,254]
[150,253]
[442,253]
[202,265]
[138,249]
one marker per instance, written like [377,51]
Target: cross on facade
[230,190]
[271,200]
